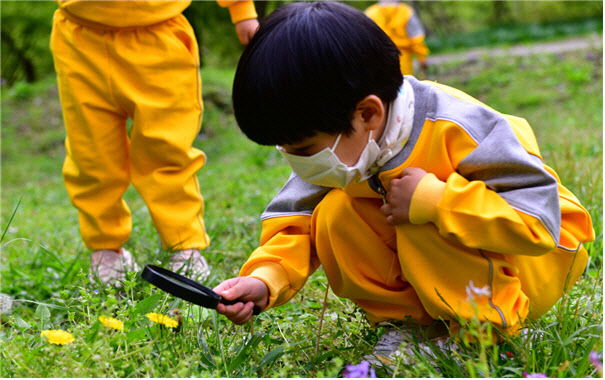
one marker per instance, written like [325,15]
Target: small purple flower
[534,375]
[96,291]
[359,371]
[596,361]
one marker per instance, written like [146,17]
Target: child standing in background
[403,26]
[117,60]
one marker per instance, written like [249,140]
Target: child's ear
[369,113]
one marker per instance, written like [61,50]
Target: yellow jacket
[487,189]
[403,27]
[142,12]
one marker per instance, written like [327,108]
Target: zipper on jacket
[376,185]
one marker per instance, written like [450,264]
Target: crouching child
[408,193]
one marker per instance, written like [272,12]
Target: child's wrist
[428,193]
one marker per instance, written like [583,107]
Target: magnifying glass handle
[255,310]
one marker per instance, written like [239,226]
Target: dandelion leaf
[148,304]
[19,322]
[43,315]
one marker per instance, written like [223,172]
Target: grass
[513,33]
[44,265]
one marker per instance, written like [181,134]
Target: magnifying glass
[185,288]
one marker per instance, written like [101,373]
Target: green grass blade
[11,219]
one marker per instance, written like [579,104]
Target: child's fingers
[231,289]
[406,171]
[238,313]
[411,171]
[227,284]
[236,292]
[230,311]
[221,309]
[386,209]
[244,315]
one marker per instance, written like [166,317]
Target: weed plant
[44,266]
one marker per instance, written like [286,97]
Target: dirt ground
[575,43]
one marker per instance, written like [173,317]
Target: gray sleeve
[297,197]
[414,27]
[499,159]
[505,166]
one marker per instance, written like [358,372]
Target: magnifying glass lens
[185,285]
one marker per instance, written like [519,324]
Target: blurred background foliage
[26,26]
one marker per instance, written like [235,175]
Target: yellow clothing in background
[138,60]
[133,13]
[400,23]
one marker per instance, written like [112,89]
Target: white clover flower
[6,303]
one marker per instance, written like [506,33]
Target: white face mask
[326,169]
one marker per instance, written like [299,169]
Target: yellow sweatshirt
[401,24]
[133,13]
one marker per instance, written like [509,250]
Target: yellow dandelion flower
[162,320]
[112,323]
[58,337]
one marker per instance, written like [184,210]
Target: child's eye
[299,150]
[302,152]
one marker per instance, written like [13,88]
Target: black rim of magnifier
[168,282]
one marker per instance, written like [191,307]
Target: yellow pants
[406,62]
[150,75]
[411,270]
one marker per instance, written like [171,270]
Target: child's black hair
[307,67]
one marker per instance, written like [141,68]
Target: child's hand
[249,289]
[245,30]
[399,196]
